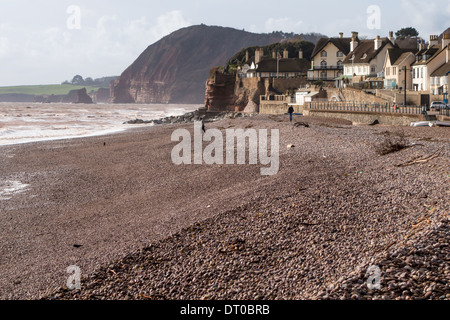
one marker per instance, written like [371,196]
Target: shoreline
[125,196]
[22,123]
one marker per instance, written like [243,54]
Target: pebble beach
[140,227]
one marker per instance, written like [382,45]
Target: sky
[50,41]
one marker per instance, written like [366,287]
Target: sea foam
[24,122]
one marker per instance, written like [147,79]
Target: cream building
[367,57]
[327,58]
[397,60]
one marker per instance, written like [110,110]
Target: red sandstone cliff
[174,69]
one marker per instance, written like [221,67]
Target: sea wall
[386,118]
[354,95]
[278,107]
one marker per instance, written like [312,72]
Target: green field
[38,90]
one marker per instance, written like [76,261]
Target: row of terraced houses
[387,63]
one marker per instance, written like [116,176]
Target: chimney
[421,44]
[434,40]
[258,55]
[285,54]
[354,42]
[341,35]
[445,40]
[378,43]
[300,54]
[391,37]
[447,57]
[274,55]
[246,56]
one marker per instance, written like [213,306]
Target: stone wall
[277,107]
[282,85]
[369,117]
[354,95]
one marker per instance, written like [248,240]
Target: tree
[406,32]
[77,80]
[88,81]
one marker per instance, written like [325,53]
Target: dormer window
[323,54]
[364,56]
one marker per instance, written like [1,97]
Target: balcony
[323,78]
[328,68]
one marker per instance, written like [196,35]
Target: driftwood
[420,160]
[301,124]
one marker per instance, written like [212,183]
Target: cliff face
[226,91]
[174,69]
[220,93]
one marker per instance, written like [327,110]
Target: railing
[364,107]
[321,78]
[328,68]
[444,112]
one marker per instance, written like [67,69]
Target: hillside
[175,69]
[51,93]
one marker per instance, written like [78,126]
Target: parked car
[437,105]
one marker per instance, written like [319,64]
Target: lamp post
[404,86]
[353,71]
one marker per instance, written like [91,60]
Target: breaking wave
[24,123]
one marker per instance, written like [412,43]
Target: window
[323,75]
[394,70]
[323,63]
[323,54]
[372,69]
[339,63]
[339,54]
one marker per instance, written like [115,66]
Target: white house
[439,79]
[367,57]
[428,60]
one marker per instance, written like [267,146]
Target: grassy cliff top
[38,90]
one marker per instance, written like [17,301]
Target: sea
[32,122]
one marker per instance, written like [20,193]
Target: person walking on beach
[203,124]
[290,111]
